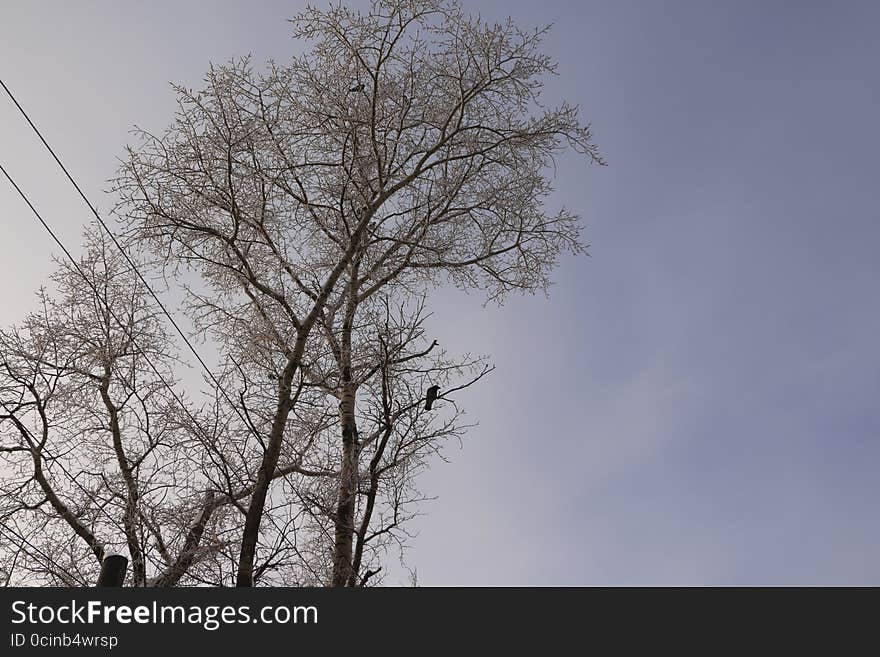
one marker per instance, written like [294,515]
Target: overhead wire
[122,250]
[97,294]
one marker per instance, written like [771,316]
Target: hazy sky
[696,403]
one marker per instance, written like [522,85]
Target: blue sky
[697,402]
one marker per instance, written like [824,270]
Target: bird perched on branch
[357,87]
[432,395]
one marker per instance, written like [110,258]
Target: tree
[92,441]
[100,452]
[407,147]
[319,202]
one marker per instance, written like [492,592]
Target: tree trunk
[345,507]
[245,576]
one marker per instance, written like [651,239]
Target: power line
[91,207]
[98,295]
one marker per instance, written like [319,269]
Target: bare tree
[320,202]
[98,449]
[407,147]
[92,439]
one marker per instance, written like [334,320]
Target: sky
[696,402]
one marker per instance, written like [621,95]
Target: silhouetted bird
[358,87]
[432,395]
